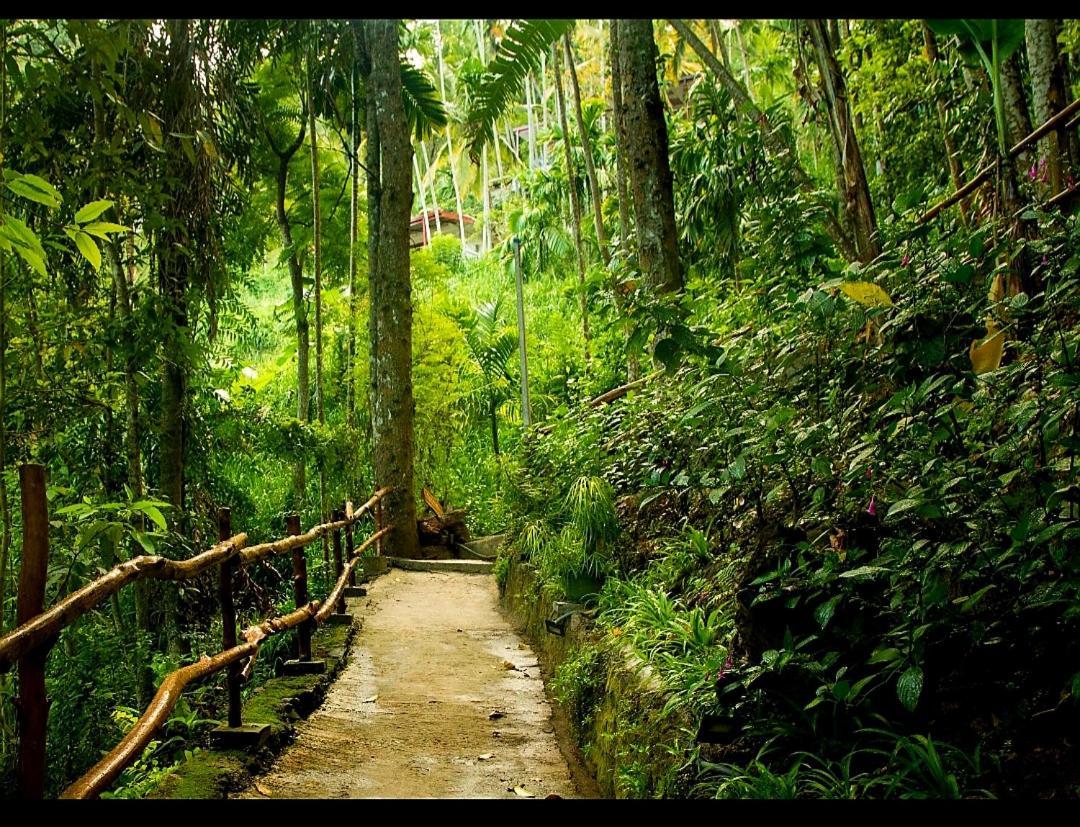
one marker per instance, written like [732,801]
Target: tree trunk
[620,138]
[1047,96]
[392,416]
[586,146]
[5,505]
[300,317]
[951,154]
[186,219]
[316,233]
[647,157]
[354,201]
[778,142]
[449,145]
[431,180]
[851,181]
[633,367]
[530,119]
[1017,120]
[575,205]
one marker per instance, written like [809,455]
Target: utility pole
[526,413]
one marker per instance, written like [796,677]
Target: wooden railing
[38,629]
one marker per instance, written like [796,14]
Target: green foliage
[519,52]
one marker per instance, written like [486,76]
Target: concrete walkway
[440,698]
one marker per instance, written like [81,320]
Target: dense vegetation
[837,512]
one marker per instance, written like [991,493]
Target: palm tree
[491,343]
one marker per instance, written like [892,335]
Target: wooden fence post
[378,526]
[349,544]
[338,514]
[33,713]
[228,617]
[300,593]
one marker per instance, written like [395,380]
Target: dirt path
[415,712]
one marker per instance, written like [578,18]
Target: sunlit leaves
[32,188]
[866,293]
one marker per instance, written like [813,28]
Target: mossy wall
[630,748]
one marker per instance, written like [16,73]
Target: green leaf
[666,352]
[154,514]
[901,506]
[33,188]
[863,571]
[823,613]
[886,655]
[909,687]
[102,229]
[92,211]
[89,249]
[144,540]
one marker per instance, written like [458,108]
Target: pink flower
[1033,173]
[724,669]
[869,472]
[872,508]
[905,261]
[1045,260]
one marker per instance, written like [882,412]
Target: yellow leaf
[986,355]
[262,790]
[865,292]
[997,288]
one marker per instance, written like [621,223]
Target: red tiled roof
[444,215]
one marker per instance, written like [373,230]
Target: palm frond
[519,53]
[424,109]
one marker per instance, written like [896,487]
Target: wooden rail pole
[378,526]
[338,514]
[300,594]
[349,543]
[33,705]
[228,617]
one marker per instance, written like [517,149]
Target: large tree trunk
[647,156]
[392,413]
[575,205]
[851,181]
[1047,95]
[300,317]
[777,141]
[586,146]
